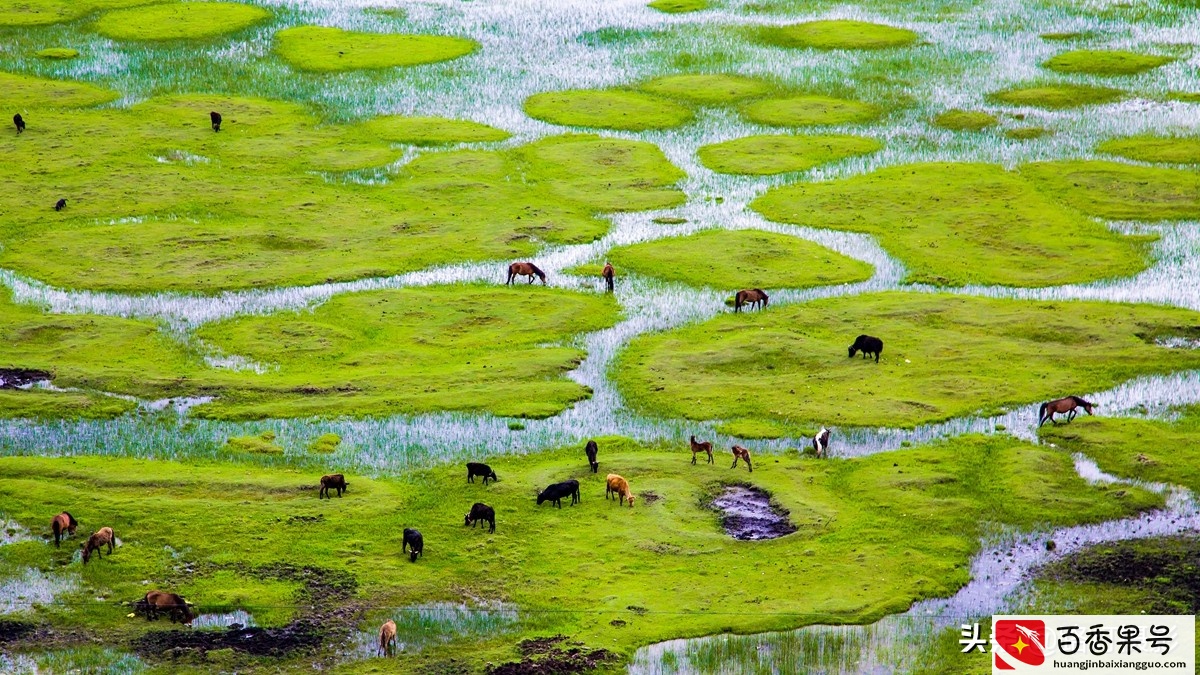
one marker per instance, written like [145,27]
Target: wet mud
[749,515]
[15,378]
[1162,567]
[554,656]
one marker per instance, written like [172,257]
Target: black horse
[592,449]
[413,540]
[867,345]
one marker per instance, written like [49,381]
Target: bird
[20,122]
[216,120]
[60,205]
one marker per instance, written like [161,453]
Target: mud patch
[749,515]
[553,656]
[649,498]
[16,378]
[11,631]
[1163,567]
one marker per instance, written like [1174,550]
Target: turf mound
[679,6]
[432,130]
[707,89]
[1159,149]
[1102,62]
[1057,96]
[766,155]
[1120,191]
[607,109]
[57,53]
[836,34]
[25,92]
[327,50]
[965,120]
[179,21]
[810,110]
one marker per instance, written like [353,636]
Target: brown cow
[619,486]
[63,522]
[103,537]
[333,481]
[171,603]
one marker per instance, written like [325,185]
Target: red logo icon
[1019,641]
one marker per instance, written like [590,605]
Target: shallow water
[747,514]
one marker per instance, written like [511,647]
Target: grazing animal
[19,122]
[333,481]
[413,539]
[592,449]
[216,120]
[158,601]
[63,522]
[102,537]
[525,269]
[480,511]
[754,297]
[387,638]
[60,205]
[617,485]
[554,493]
[698,447]
[821,442]
[477,469]
[1067,405]
[867,345]
[741,453]
[608,274]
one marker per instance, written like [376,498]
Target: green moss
[43,12]
[1057,96]
[262,444]
[1027,133]
[955,224]
[1120,191]
[608,109]
[836,34]
[327,50]
[809,110]
[1104,62]
[679,6]
[432,130]
[708,89]
[25,92]
[1160,149]
[326,443]
[57,53]
[748,259]
[179,21]
[965,120]
[1184,96]
[765,155]
[944,356]
[1063,37]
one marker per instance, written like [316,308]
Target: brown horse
[172,604]
[525,269]
[63,522]
[1063,405]
[698,447]
[387,638]
[741,453]
[755,297]
[608,274]
[104,536]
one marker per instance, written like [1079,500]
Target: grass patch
[766,155]
[44,12]
[836,34]
[179,21]
[1120,191]
[799,111]
[432,130]
[679,6]
[965,120]
[57,53]
[25,92]
[1057,96]
[607,109]
[262,444]
[945,356]
[746,259]
[326,443]
[328,50]
[1104,62]
[1027,133]
[707,89]
[1160,149]
[38,404]
[1184,96]
[955,224]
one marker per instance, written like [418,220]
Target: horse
[867,345]
[333,481]
[103,536]
[698,447]
[592,450]
[820,442]
[555,492]
[19,122]
[413,540]
[608,276]
[481,511]
[525,269]
[60,205]
[387,638]
[755,297]
[63,522]
[215,117]
[616,485]
[477,469]
[741,453]
[1063,405]
[155,601]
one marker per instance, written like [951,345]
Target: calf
[592,449]
[103,537]
[62,523]
[554,493]
[620,487]
[741,453]
[480,512]
[867,345]
[413,539]
[333,481]
[477,469]
[171,603]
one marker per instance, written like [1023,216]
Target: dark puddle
[15,378]
[1163,568]
[554,656]
[749,515]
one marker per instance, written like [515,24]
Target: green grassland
[1103,62]
[874,535]
[24,93]
[954,224]
[1120,191]
[835,34]
[179,21]
[608,109]
[42,12]
[747,259]
[965,120]
[807,110]
[1056,96]
[431,130]
[1160,149]
[679,6]
[944,356]
[766,155]
[326,50]
[710,89]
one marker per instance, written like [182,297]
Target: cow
[333,481]
[215,118]
[554,493]
[480,511]
[477,469]
[413,540]
[867,345]
[620,487]
[592,450]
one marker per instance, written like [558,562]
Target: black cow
[555,493]
[216,120]
[479,512]
[60,205]
[19,122]
[591,451]
[867,345]
[413,539]
[333,481]
[477,469]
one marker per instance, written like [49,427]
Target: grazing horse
[1066,405]
[525,269]
[104,536]
[63,522]
[333,481]
[477,469]
[616,485]
[387,638]
[741,453]
[158,601]
[555,492]
[19,122]
[820,442]
[592,449]
[480,511]
[215,117]
[698,447]
[608,275]
[867,345]
[413,539]
[754,297]
[60,205]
